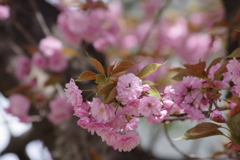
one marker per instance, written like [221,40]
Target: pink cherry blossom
[39,60]
[82,110]
[73,94]
[132,124]
[131,108]
[60,110]
[23,67]
[213,69]
[216,114]
[153,119]
[57,62]
[236,89]
[129,87]
[50,45]
[149,106]
[234,67]
[103,113]
[127,142]
[19,107]
[109,136]
[4,12]
[84,122]
[187,90]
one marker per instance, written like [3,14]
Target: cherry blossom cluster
[116,122]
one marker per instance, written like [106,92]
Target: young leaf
[111,96]
[123,66]
[235,111]
[106,90]
[182,72]
[198,68]
[154,92]
[87,75]
[97,64]
[100,79]
[235,53]
[147,70]
[205,129]
[109,69]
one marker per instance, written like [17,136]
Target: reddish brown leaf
[235,111]
[123,66]
[111,96]
[87,75]
[198,68]
[97,64]
[109,69]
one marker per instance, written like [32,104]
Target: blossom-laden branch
[126,98]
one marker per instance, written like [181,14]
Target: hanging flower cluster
[122,98]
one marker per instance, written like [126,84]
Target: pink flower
[109,136]
[57,62]
[82,110]
[236,89]
[103,113]
[188,90]
[131,108]
[153,119]
[73,94]
[19,107]
[129,87]
[23,67]
[4,12]
[127,142]
[216,116]
[234,67]
[39,60]
[60,110]
[84,122]
[50,45]
[132,124]
[213,69]
[149,106]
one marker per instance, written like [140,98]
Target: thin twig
[21,29]
[156,19]
[171,143]
[40,18]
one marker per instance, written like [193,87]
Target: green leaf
[147,70]
[97,64]
[87,75]
[205,129]
[123,66]
[235,53]
[154,92]
[101,79]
